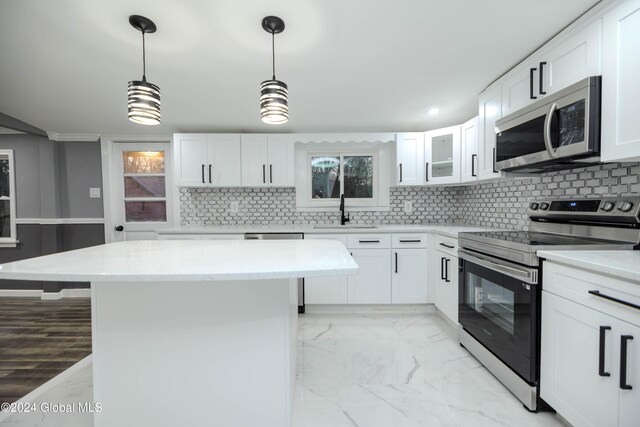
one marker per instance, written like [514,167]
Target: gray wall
[53,181]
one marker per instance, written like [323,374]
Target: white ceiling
[356,65]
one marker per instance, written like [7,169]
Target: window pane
[358,177]
[145,211]
[4,178]
[5,218]
[144,186]
[325,177]
[143,162]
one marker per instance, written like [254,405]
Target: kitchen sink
[342,227]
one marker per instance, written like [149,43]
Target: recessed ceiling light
[433,111]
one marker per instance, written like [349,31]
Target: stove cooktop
[529,238]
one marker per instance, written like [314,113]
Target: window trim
[371,202]
[12,240]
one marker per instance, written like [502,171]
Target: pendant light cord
[144,61]
[273,54]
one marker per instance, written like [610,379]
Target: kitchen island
[195,333]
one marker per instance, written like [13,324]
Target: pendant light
[274,94]
[143,97]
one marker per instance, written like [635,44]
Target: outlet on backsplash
[234,206]
[408,206]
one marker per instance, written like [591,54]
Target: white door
[490,110]
[409,276]
[446,281]
[141,191]
[410,157]
[191,159]
[326,290]
[570,377]
[223,160]
[280,173]
[255,160]
[620,83]
[372,283]
[469,151]
[442,155]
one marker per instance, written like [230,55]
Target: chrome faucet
[343,219]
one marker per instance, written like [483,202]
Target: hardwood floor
[40,339]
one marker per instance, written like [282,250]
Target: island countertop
[177,260]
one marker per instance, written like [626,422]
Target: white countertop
[188,260]
[622,264]
[446,229]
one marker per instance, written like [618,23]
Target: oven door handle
[527,275]
[547,131]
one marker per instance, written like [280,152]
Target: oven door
[500,307]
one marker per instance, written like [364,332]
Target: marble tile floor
[373,369]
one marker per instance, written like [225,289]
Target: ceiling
[357,65]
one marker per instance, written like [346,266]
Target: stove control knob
[607,206]
[533,206]
[544,206]
[625,206]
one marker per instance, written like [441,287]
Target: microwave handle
[547,131]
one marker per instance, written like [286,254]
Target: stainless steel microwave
[561,131]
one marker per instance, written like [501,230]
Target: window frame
[330,202]
[11,240]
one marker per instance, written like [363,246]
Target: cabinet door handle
[410,241]
[624,339]
[203,174]
[447,246]
[369,241]
[264,174]
[603,332]
[541,80]
[446,270]
[474,157]
[531,72]
[270,174]
[400,172]
[426,171]
[210,182]
[442,268]
[494,161]
[396,262]
[619,301]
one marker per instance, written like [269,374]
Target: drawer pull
[411,241]
[623,362]
[447,246]
[601,371]
[619,301]
[369,241]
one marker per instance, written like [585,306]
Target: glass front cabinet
[442,156]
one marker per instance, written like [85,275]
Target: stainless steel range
[501,281]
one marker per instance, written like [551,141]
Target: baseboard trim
[37,293]
[370,308]
[49,385]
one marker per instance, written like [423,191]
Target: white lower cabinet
[446,285]
[409,276]
[326,290]
[590,359]
[372,283]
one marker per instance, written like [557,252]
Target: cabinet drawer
[340,237]
[179,236]
[369,241]
[575,284]
[446,244]
[409,241]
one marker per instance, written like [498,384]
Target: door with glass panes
[141,190]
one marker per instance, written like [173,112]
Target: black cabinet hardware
[531,72]
[446,270]
[624,339]
[442,268]
[410,241]
[494,161]
[447,246]
[264,174]
[210,182]
[369,241]
[119,228]
[426,171]
[619,301]
[270,174]
[400,172]
[541,79]
[473,164]
[203,174]
[603,332]
[396,262]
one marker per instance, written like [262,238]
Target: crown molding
[73,137]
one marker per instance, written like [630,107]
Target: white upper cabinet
[207,160]
[490,110]
[267,160]
[621,83]
[442,156]
[410,168]
[520,85]
[469,151]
